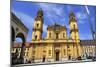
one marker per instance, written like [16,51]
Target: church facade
[56,46]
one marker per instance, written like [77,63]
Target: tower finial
[72,13]
[40,12]
[72,17]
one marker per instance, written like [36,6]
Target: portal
[57,56]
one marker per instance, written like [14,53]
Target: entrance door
[69,57]
[43,59]
[57,56]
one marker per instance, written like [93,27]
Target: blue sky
[55,13]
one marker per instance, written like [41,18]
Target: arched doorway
[57,56]
[69,57]
[21,35]
[22,38]
[57,53]
[43,60]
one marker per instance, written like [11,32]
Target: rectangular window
[49,52]
[63,35]
[56,35]
[64,51]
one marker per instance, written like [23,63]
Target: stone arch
[21,35]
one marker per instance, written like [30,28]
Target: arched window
[37,24]
[50,34]
[74,26]
[63,35]
[36,37]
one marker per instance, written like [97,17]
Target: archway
[57,53]
[21,35]
[43,60]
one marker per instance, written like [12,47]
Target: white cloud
[51,8]
[52,11]
[27,20]
[81,15]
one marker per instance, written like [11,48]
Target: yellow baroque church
[56,46]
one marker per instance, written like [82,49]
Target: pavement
[57,62]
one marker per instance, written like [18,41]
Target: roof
[19,44]
[88,42]
[28,44]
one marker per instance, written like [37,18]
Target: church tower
[74,35]
[38,26]
[73,27]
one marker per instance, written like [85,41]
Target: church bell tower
[73,27]
[74,34]
[38,26]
